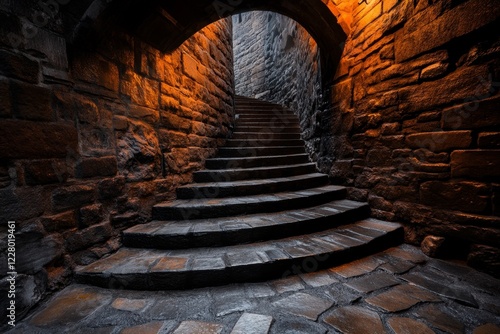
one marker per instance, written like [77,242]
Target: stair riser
[241,274]
[212,211]
[278,124]
[258,143]
[266,118]
[259,151]
[248,190]
[264,136]
[227,238]
[256,162]
[226,176]
[278,129]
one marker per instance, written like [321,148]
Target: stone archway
[179,20]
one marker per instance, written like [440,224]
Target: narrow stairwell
[260,211]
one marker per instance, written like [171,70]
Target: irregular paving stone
[69,308]
[487,329]
[408,326]
[318,279]
[372,282]
[442,289]
[292,283]
[125,304]
[440,319]
[250,323]
[149,328]
[342,295]
[396,265]
[297,325]
[232,304]
[304,305]
[198,327]
[355,320]
[413,256]
[259,290]
[401,298]
[357,268]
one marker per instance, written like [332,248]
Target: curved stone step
[142,269]
[232,152]
[265,117]
[274,125]
[253,162]
[251,187]
[260,142]
[217,232]
[277,128]
[238,174]
[262,134]
[224,207]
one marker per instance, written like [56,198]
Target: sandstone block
[90,215]
[474,114]
[94,70]
[92,167]
[60,222]
[489,140]
[111,188]
[29,140]
[77,240]
[45,172]
[31,102]
[475,163]
[440,141]
[463,196]
[432,245]
[18,66]
[459,21]
[72,197]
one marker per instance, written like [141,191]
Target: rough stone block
[78,240]
[90,215]
[454,195]
[111,188]
[142,91]
[32,255]
[72,197]
[94,70]
[45,172]
[432,245]
[92,167]
[485,258]
[60,222]
[461,20]
[475,163]
[19,66]
[29,140]
[475,114]
[489,140]
[31,102]
[5,97]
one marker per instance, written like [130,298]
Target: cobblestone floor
[396,291]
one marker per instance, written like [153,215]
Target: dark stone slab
[355,320]
[372,282]
[303,305]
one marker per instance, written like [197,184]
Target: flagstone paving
[363,297]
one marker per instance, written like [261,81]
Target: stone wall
[414,122]
[411,123]
[277,60]
[91,139]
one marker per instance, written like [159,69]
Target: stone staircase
[259,211]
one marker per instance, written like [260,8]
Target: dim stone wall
[412,124]
[91,139]
[276,60]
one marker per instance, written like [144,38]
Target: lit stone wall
[90,139]
[276,60]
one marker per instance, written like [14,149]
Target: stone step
[252,162]
[278,129]
[233,152]
[267,123]
[244,229]
[251,187]
[266,118]
[144,269]
[268,142]
[238,174]
[225,207]
[261,134]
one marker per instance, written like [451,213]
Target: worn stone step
[252,162]
[265,135]
[218,232]
[237,174]
[278,129]
[259,117]
[275,125]
[251,187]
[225,207]
[232,152]
[267,142]
[144,269]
